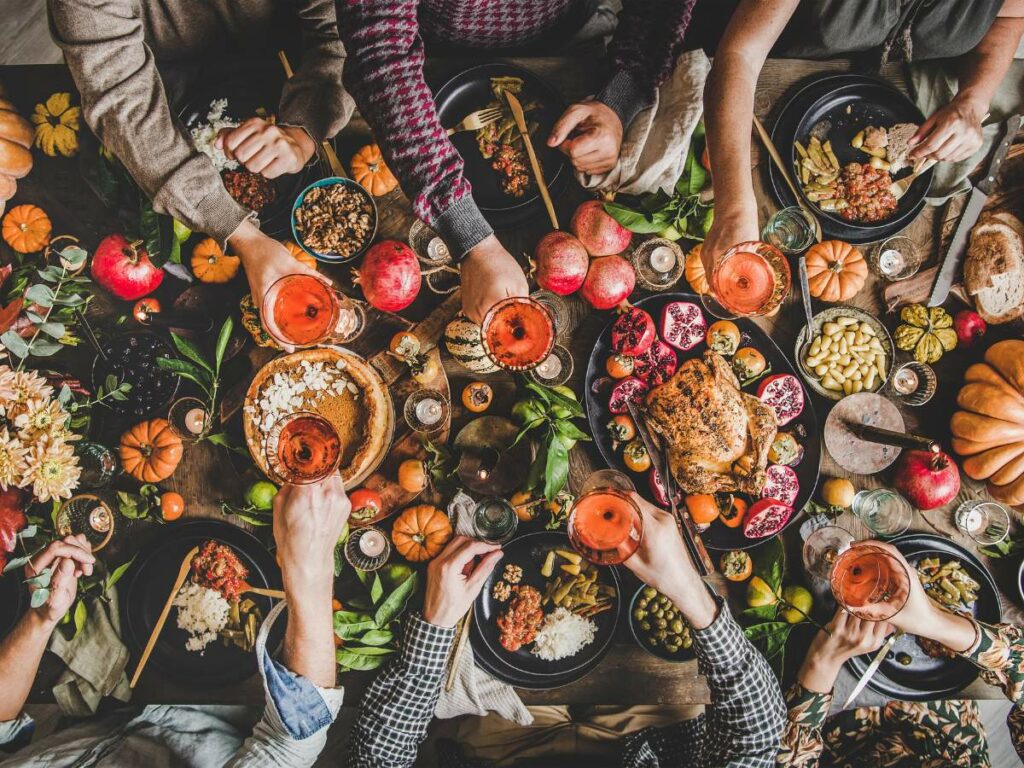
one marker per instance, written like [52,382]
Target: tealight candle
[905,381]
[429,411]
[549,368]
[195,420]
[663,259]
[891,262]
[437,250]
[372,543]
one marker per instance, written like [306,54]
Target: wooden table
[628,675]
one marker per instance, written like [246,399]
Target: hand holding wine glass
[842,638]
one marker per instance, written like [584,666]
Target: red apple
[124,268]
[969,327]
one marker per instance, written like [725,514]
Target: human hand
[661,561]
[489,274]
[952,133]
[598,136]
[453,581]
[265,148]
[308,521]
[266,261]
[729,228]
[843,638]
[68,560]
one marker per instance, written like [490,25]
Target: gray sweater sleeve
[124,103]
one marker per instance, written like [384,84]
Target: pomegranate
[683,325]
[633,332]
[124,268]
[927,479]
[562,263]
[781,483]
[609,282]
[12,520]
[658,489]
[656,366]
[766,517]
[783,393]
[631,389]
[969,327]
[389,276]
[600,234]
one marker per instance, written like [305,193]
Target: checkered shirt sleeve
[742,725]
[397,708]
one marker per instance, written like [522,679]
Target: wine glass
[748,280]
[308,312]
[605,525]
[518,333]
[302,448]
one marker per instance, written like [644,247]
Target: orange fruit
[733,512]
[171,506]
[702,508]
[412,476]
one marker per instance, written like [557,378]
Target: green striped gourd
[463,341]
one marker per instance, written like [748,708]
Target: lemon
[261,495]
[838,492]
[759,593]
[797,598]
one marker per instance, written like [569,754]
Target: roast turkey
[717,436]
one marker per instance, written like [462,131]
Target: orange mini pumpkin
[211,265]
[836,271]
[370,170]
[421,532]
[300,255]
[694,271]
[150,451]
[27,228]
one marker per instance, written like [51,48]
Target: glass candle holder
[426,410]
[368,548]
[658,263]
[428,245]
[985,522]
[90,515]
[913,383]
[555,369]
[99,465]
[189,419]
[791,230]
[896,259]
[885,512]
[495,521]
[557,306]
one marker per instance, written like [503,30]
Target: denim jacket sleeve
[14,734]
[298,713]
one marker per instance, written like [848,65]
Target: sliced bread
[897,149]
[994,268]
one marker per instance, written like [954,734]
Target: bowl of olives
[658,627]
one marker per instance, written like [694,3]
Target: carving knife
[524,131]
[872,668]
[972,210]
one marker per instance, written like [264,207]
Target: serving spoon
[186,564]
[805,296]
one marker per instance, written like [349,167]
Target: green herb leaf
[51,273]
[80,615]
[377,637]
[393,605]
[39,597]
[15,563]
[41,347]
[41,579]
[191,351]
[40,294]
[222,343]
[358,662]
[567,430]
[376,588]
[116,575]
[770,637]
[636,221]
[52,329]
[369,650]
[74,257]
[760,613]
[14,344]
[556,472]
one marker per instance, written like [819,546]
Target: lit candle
[437,250]
[663,259]
[891,262]
[372,543]
[195,420]
[429,411]
[550,368]
[905,381]
[100,519]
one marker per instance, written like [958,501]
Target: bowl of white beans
[844,351]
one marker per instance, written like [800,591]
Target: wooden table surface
[628,675]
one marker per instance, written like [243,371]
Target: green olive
[671,647]
[650,592]
[639,614]
[645,626]
[660,623]
[677,626]
[651,640]
[687,641]
[660,634]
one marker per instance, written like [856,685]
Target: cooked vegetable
[659,624]
[948,583]
[927,331]
[847,356]
[577,587]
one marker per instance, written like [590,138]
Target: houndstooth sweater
[384,73]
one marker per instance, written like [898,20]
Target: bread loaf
[994,268]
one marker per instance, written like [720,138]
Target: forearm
[984,68]
[20,653]
[728,119]
[309,636]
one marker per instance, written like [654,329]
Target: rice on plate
[563,634]
[202,612]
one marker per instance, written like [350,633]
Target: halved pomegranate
[633,332]
[781,483]
[783,393]
[766,518]
[658,489]
[683,325]
[631,389]
[656,365]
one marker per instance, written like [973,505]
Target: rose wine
[304,309]
[870,583]
[304,449]
[605,526]
[518,333]
[751,279]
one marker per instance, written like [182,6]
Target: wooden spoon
[186,564]
[277,594]
[784,172]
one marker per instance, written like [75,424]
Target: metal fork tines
[474,121]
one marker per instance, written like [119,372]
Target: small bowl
[685,654]
[329,258]
[827,316]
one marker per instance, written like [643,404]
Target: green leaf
[186,370]
[74,257]
[770,562]
[40,294]
[760,613]
[51,274]
[570,431]
[191,351]
[770,637]
[15,563]
[39,597]
[80,615]
[222,343]
[116,575]
[41,347]
[377,637]
[348,630]
[14,344]
[65,395]
[369,650]
[556,471]
[393,605]
[537,468]
[70,300]
[376,589]
[635,221]
[557,398]
[357,662]
[41,579]
[52,329]
[28,532]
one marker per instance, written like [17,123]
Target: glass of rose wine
[307,312]
[518,333]
[605,525]
[748,280]
[870,582]
[302,448]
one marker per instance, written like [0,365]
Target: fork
[474,121]
[899,188]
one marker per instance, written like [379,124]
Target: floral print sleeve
[999,652]
[802,743]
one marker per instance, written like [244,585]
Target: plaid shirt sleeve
[398,707]
[740,728]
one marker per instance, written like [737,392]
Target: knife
[691,537]
[972,210]
[872,668]
[520,118]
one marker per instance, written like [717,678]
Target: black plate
[243,103]
[470,91]
[925,678]
[149,581]
[870,101]
[13,600]
[718,536]
[523,668]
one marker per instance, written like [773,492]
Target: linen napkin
[95,660]
[656,142]
[474,692]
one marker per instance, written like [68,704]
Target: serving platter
[926,678]
[522,668]
[597,386]
[145,588]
